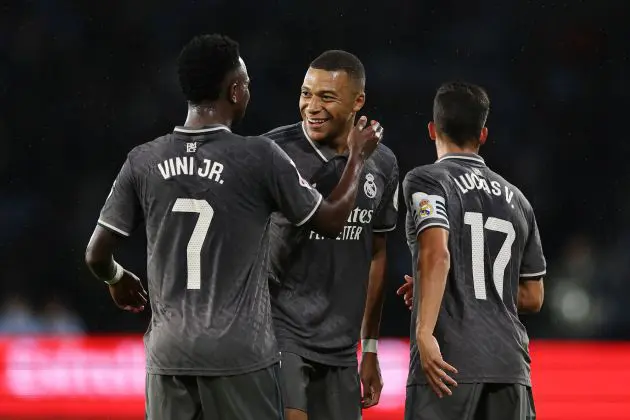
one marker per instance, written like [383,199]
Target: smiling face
[329,101]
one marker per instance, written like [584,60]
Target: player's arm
[369,370]
[376,286]
[385,221]
[531,289]
[330,218]
[302,204]
[119,216]
[426,201]
[432,269]
[531,294]
[99,254]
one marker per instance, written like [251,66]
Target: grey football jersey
[319,285]
[494,243]
[206,197]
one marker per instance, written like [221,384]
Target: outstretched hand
[406,291]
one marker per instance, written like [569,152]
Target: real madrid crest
[369,188]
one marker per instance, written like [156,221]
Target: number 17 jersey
[494,244]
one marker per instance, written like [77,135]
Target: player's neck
[340,142]
[207,114]
[445,147]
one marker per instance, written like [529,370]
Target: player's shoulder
[522,199]
[286,133]
[262,141]
[384,158]
[142,151]
[261,146]
[431,171]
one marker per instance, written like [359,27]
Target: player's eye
[328,98]
[306,94]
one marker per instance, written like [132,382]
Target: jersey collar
[203,130]
[323,151]
[470,157]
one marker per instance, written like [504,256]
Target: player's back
[493,243]
[206,196]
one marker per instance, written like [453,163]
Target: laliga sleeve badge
[425,209]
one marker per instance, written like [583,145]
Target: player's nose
[313,106]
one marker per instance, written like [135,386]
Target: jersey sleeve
[533,264]
[122,212]
[387,212]
[292,194]
[425,199]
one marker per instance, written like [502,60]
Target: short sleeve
[426,201]
[387,211]
[533,264]
[122,212]
[292,194]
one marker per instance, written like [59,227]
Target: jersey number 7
[193,251]
[475,220]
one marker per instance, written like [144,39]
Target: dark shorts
[324,392]
[251,396]
[480,401]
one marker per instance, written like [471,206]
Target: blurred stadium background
[83,82]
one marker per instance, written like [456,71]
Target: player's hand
[370,374]
[128,293]
[406,291]
[363,139]
[434,366]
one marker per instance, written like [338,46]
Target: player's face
[239,91]
[329,101]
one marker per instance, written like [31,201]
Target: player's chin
[317,130]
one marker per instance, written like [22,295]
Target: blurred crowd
[85,82]
[17,316]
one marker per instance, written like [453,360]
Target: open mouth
[316,122]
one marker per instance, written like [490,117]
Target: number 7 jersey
[494,244]
[206,197]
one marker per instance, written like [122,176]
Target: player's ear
[484,135]
[432,130]
[233,93]
[359,101]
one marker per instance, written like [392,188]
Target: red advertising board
[103,378]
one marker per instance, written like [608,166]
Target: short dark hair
[335,60]
[203,64]
[460,111]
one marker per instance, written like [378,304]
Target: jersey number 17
[475,220]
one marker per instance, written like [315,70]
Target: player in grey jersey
[206,196]
[477,261]
[326,294]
